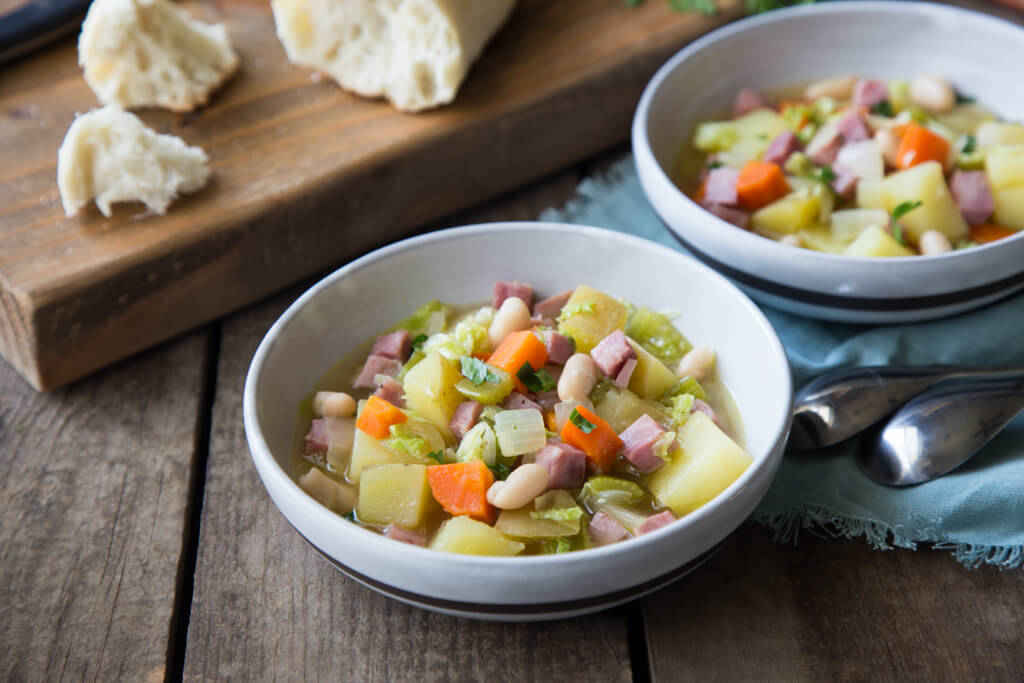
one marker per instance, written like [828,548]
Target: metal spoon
[842,403]
[940,430]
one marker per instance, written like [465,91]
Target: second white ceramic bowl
[981,55]
[459,266]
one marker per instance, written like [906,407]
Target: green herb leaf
[581,423]
[897,233]
[706,7]
[970,144]
[884,108]
[964,99]
[500,470]
[437,455]
[558,514]
[350,515]
[904,208]
[825,174]
[477,372]
[712,165]
[417,342]
[535,380]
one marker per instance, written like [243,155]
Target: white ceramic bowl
[981,55]
[459,266]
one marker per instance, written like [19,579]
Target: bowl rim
[268,466]
[744,239]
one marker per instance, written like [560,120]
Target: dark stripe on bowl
[526,610]
[853,303]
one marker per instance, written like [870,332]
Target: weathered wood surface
[93,504]
[836,610]
[305,174]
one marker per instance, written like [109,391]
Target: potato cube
[621,408]
[938,211]
[871,194]
[395,494]
[651,378]
[705,464]
[470,537]
[589,316]
[1005,169]
[430,390]
[873,242]
[1009,207]
[796,211]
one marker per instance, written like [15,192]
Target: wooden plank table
[138,544]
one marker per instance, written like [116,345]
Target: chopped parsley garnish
[904,208]
[500,471]
[883,108]
[417,341]
[535,380]
[477,372]
[970,144]
[350,515]
[897,234]
[712,165]
[585,307]
[825,174]
[581,423]
[962,98]
[437,455]
[762,136]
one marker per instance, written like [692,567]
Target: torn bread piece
[110,155]
[151,53]
[414,52]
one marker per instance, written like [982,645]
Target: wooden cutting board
[305,175]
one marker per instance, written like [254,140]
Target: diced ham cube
[395,345]
[503,290]
[720,187]
[391,390]
[869,92]
[567,465]
[547,399]
[376,365]
[550,308]
[517,401]
[622,379]
[638,443]
[612,352]
[464,417]
[852,127]
[784,144]
[825,154]
[317,440]
[560,347]
[604,529]
[973,195]
[747,100]
[655,522]
[737,217]
[845,183]
[703,407]
[404,535]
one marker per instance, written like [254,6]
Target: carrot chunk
[518,348]
[599,441]
[461,489]
[990,232]
[760,183]
[377,417]
[919,145]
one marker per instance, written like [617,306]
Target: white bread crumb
[414,52]
[110,155]
[142,53]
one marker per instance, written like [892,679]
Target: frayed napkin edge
[824,522]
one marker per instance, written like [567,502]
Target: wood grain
[305,174]
[836,610]
[92,510]
[268,607]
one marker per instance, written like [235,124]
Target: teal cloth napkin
[976,511]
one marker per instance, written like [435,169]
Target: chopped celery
[687,385]
[656,333]
[601,490]
[521,524]
[416,437]
[715,136]
[899,95]
[600,389]
[625,516]
[415,358]
[798,164]
[519,431]
[559,514]
[680,407]
[428,319]
[488,392]
[479,443]
[558,498]
[488,413]
[556,546]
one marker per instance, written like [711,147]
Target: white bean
[578,377]
[889,143]
[791,240]
[513,316]
[697,363]
[934,93]
[933,242]
[333,404]
[836,87]
[524,484]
